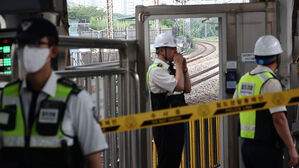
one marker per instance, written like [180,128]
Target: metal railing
[114,87]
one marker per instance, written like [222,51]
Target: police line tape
[199,111]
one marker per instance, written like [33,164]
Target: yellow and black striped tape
[198,111]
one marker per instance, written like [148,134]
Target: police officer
[167,87]
[45,120]
[264,131]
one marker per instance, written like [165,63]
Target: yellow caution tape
[199,111]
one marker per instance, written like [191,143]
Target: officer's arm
[187,82]
[179,75]
[94,160]
[282,127]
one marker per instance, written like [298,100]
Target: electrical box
[5,56]
[230,81]
[7,39]
[231,77]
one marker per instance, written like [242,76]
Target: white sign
[248,57]
[231,65]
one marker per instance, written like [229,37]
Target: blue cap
[34,28]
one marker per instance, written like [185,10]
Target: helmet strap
[165,55]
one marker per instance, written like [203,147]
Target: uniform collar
[261,68]
[50,86]
[157,61]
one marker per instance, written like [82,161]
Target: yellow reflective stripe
[247,134]
[62,91]
[11,97]
[147,76]
[12,90]
[19,125]
[248,119]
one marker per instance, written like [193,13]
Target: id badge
[247,89]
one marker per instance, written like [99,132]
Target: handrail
[90,72]
[137,90]
[95,65]
[107,71]
[79,42]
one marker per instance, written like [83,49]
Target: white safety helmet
[164,40]
[267,45]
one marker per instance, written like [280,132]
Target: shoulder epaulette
[76,88]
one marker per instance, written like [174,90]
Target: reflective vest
[164,100]
[45,145]
[257,125]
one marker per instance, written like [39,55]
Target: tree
[97,23]
[84,13]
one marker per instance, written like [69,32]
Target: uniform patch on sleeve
[247,89]
[48,116]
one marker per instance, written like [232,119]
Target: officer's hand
[178,59]
[293,157]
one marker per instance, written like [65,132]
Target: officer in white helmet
[167,87]
[264,132]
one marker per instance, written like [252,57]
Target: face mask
[32,58]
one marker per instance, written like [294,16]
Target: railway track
[204,53]
[208,49]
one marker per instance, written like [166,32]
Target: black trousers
[261,155]
[169,142]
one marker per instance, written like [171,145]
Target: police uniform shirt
[78,118]
[160,80]
[272,85]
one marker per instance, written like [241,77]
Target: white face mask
[33,58]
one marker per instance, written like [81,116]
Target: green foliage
[166,23]
[198,27]
[98,23]
[84,13]
[95,17]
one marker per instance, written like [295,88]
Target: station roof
[126,18]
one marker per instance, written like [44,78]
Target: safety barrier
[114,86]
[206,153]
[202,144]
